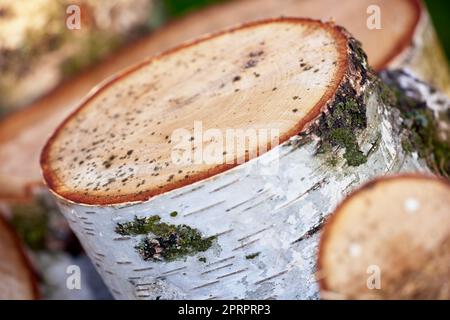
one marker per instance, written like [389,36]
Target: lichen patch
[345,116]
[163,241]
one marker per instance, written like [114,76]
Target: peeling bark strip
[346,136]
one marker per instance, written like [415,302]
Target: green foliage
[439,11]
[94,48]
[175,8]
[31,223]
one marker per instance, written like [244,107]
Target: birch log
[390,239]
[17,279]
[406,39]
[258,226]
[393,33]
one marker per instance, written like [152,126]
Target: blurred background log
[390,239]
[17,278]
[38,51]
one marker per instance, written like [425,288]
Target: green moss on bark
[31,223]
[163,241]
[173,214]
[345,117]
[340,127]
[252,256]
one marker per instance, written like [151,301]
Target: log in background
[438,10]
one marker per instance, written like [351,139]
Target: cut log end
[389,240]
[23,134]
[17,280]
[118,146]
